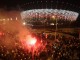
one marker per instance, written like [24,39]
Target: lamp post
[54,17]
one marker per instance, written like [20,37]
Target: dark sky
[13,3]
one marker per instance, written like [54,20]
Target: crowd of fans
[61,48]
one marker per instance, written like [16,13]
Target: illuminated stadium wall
[47,17]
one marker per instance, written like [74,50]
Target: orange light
[53,17]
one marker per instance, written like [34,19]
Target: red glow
[32,42]
[1,33]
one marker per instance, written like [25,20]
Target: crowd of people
[63,48]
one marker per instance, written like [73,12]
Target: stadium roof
[41,13]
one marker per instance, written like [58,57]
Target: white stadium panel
[69,15]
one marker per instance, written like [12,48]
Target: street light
[54,17]
[24,23]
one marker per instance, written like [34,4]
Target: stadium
[40,30]
[47,16]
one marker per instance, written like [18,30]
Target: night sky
[14,3]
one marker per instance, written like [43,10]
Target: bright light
[16,18]
[52,24]
[11,18]
[24,23]
[31,40]
[53,17]
[4,19]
